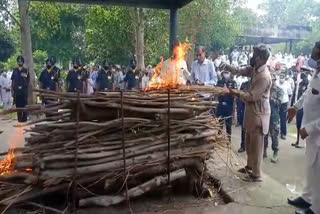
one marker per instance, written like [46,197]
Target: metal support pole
[168,134]
[124,152]
[290,46]
[75,172]
[173,28]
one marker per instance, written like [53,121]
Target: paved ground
[266,197]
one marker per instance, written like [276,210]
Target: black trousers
[21,102]
[228,123]
[243,138]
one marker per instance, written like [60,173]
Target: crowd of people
[264,90]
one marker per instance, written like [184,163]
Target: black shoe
[241,150]
[299,202]
[306,211]
[294,144]
[299,147]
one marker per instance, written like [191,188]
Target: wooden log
[134,192]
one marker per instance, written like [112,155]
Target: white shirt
[310,102]
[287,91]
[204,72]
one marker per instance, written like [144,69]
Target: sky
[253,4]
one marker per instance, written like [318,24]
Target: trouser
[254,148]
[274,134]
[312,188]
[7,104]
[228,123]
[243,138]
[21,102]
[283,118]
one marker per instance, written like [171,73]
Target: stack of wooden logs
[82,139]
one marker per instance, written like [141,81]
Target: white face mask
[282,80]
[313,63]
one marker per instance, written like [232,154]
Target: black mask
[106,67]
[75,67]
[49,66]
[252,62]
[20,65]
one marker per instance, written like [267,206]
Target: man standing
[202,69]
[274,128]
[226,102]
[257,112]
[5,83]
[240,112]
[310,130]
[287,92]
[75,77]
[303,85]
[49,77]
[104,79]
[20,82]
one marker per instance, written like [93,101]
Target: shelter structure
[172,5]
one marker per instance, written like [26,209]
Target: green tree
[109,34]
[209,23]
[59,29]
[6,43]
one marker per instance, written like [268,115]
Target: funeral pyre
[82,139]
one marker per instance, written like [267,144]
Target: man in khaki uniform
[257,111]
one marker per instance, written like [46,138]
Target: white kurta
[6,91]
[310,102]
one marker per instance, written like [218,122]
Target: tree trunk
[139,30]
[27,45]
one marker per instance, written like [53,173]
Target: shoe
[294,144]
[306,211]
[283,137]
[265,154]
[241,150]
[252,178]
[299,147]
[299,202]
[245,170]
[275,159]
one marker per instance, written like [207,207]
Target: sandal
[245,170]
[252,178]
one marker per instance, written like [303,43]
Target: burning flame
[167,73]
[7,163]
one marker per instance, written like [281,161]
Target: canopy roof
[161,4]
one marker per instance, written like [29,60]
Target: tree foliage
[209,23]
[6,43]
[58,29]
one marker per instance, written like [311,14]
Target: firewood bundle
[82,139]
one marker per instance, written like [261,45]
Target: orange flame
[7,163]
[166,74]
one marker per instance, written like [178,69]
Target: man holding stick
[257,111]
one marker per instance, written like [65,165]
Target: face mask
[75,67]
[20,65]
[48,66]
[282,80]
[219,73]
[106,67]
[313,63]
